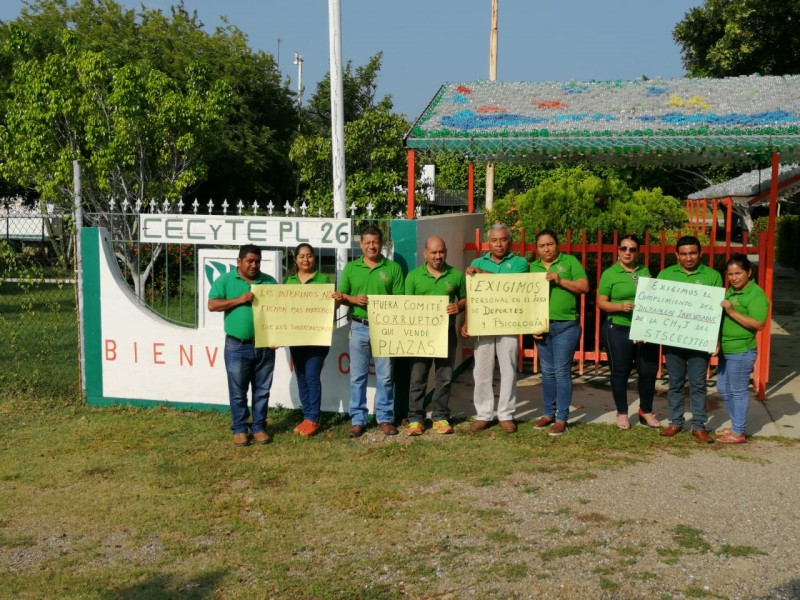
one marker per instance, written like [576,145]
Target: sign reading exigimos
[508,304]
[293,315]
[408,325]
[673,313]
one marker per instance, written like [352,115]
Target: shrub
[575,199]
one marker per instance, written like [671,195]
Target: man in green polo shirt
[682,363]
[371,274]
[245,365]
[499,259]
[435,278]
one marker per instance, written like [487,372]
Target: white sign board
[671,313]
[282,232]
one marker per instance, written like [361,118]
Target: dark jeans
[683,364]
[443,369]
[248,367]
[307,362]
[556,350]
[622,355]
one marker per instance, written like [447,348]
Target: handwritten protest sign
[408,325]
[293,315]
[684,315]
[508,304]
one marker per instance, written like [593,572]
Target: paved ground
[778,415]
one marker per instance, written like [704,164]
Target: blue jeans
[622,355]
[733,379]
[556,350]
[307,362]
[360,355]
[683,364]
[248,366]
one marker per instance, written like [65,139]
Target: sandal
[622,422]
[732,438]
[722,431]
[649,419]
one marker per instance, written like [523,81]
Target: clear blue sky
[429,42]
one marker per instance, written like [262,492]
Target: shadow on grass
[169,587]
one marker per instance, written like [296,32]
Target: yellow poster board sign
[293,315]
[408,325]
[508,304]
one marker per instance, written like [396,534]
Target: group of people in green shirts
[745,312]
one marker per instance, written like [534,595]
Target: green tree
[137,133]
[740,37]
[576,199]
[375,160]
[248,158]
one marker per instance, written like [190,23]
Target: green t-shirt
[317,277]
[619,285]
[510,263]
[702,275]
[563,303]
[451,283]
[751,301]
[238,321]
[385,278]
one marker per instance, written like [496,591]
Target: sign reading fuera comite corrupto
[408,325]
[281,232]
[678,314]
[508,304]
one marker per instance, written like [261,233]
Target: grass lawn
[157,503]
[39,333]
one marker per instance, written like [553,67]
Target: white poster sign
[677,314]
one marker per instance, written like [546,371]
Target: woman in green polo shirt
[307,360]
[567,279]
[615,297]
[746,308]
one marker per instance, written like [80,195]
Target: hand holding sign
[677,314]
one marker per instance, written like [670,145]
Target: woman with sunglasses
[567,279]
[307,360]
[746,309]
[615,297]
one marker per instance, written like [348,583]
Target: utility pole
[337,122]
[492,77]
[298,60]
[278,56]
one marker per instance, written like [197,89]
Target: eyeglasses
[628,249]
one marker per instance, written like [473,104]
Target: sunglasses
[628,249]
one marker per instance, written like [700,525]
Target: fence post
[78,219]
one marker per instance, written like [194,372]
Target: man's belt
[360,320]
[241,341]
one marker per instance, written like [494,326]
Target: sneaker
[241,439]
[442,426]
[415,428]
[262,437]
[558,428]
[543,422]
[311,428]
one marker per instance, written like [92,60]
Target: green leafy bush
[575,199]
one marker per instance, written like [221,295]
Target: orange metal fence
[595,256]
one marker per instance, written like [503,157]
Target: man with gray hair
[499,259]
